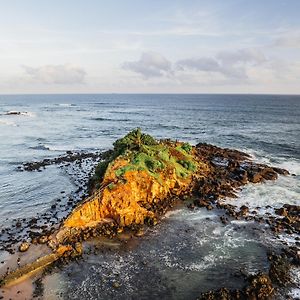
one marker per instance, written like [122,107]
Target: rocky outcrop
[228,170]
[141,176]
[140,179]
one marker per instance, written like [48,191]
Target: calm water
[268,127]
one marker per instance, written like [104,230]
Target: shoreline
[242,214]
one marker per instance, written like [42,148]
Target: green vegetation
[187,147]
[146,154]
[111,186]
[134,140]
[187,164]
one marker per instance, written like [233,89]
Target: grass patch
[146,154]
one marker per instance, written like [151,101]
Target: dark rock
[244,210]
[281,211]
[255,177]
[279,270]
[281,171]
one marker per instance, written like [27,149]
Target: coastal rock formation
[140,179]
[139,173]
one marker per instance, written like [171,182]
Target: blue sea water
[266,126]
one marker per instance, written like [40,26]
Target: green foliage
[187,147]
[101,168]
[134,140]
[121,171]
[111,186]
[187,164]
[154,165]
[146,154]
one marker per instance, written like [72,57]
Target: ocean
[265,126]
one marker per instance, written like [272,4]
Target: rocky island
[141,178]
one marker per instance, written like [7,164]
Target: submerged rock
[259,287]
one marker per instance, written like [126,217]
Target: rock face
[140,173]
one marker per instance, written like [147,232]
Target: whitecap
[66,104]
[9,123]
[295,291]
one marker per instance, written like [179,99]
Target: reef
[140,179]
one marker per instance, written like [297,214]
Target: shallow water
[188,253]
[179,263]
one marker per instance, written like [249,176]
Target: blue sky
[232,46]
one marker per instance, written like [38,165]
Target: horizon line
[126,93]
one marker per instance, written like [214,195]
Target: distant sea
[265,126]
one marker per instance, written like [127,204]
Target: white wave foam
[28,114]
[292,166]
[20,113]
[58,148]
[295,275]
[283,191]
[66,104]
[9,123]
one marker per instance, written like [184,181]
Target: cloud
[150,64]
[202,64]
[241,56]
[56,74]
[292,41]
[231,64]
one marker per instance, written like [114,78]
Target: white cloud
[150,64]
[56,74]
[203,64]
[292,41]
[231,64]
[241,56]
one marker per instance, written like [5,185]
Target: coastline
[212,193]
[174,265]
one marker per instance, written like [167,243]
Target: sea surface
[189,251]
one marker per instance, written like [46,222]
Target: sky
[142,46]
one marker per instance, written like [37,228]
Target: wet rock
[259,287]
[13,113]
[24,247]
[269,174]
[279,269]
[116,285]
[224,220]
[255,177]
[43,239]
[244,210]
[281,171]
[281,211]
